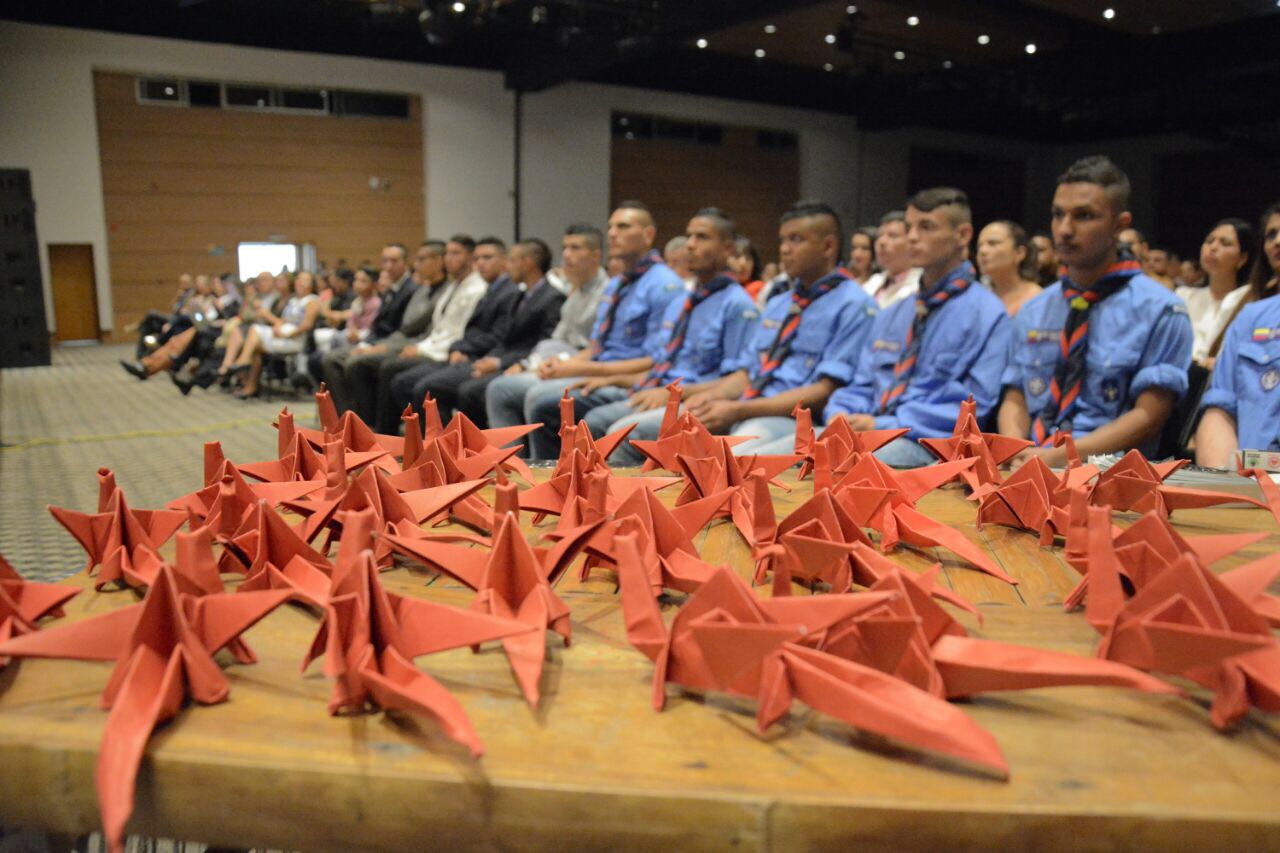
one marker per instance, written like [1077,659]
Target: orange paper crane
[369,637]
[163,649]
[1270,491]
[839,439]
[560,491]
[124,543]
[23,603]
[511,582]
[1134,484]
[725,639]
[681,435]
[466,440]
[295,458]
[217,469]
[823,518]
[968,441]
[265,539]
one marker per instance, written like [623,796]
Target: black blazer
[391,311]
[489,319]
[533,319]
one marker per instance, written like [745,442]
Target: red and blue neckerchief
[1069,373]
[628,278]
[657,375]
[802,297]
[952,285]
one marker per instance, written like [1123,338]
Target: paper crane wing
[397,685]
[916,528]
[104,637]
[427,627]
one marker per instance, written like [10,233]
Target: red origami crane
[838,439]
[163,649]
[369,637]
[1270,491]
[1134,484]
[23,603]
[968,441]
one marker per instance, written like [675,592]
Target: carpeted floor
[60,424]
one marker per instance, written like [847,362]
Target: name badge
[1037,335]
[885,346]
[1270,379]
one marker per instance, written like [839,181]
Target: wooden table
[596,767]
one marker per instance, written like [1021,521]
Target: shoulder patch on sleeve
[1178,307]
[750,314]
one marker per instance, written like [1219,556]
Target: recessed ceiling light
[1030,48]
[827,66]
[459,7]
[851,10]
[913,21]
[829,38]
[984,39]
[701,43]
[759,53]
[770,29]
[946,63]
[1155,31]
[899,55]
[1108,13]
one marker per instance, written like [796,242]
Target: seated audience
[627,329]
[351,325]
[744,265]
[1242,406]
[862,249]
[1132,239]
[533,314]
[1102,354]
[1008,260]
[897,279]
[805,345]
[283,336]
[1046,259]
[1225,254]
[705,337]
[673,256]
[258,307]
[1157,265]
[449,353]
[927,355]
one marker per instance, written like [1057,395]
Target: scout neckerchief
[802,297]
[1069,374]
[628,278]
[695,298]
[953,284]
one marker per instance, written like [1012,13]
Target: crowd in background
[1083,328]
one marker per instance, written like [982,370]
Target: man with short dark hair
[805,345]
[1103,353]
[928,354]
[897,279]
[705,337]
[1158,265]
[628,324]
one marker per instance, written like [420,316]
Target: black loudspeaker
[24,333]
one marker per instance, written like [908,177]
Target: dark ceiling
[1208,68]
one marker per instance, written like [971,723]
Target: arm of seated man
[719,415]
[1134,428]
[1217,439]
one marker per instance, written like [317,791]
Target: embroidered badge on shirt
[1037,335]
[1036,386]
[1110,390]
[1263,335]
[886,346]
[1270,379]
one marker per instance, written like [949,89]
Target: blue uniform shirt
[963,352]
[1139,338]
[1246,376]
[715,341]
[637,324]
[831,333]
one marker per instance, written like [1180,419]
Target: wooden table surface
[597,767]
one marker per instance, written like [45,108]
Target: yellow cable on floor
[145,433]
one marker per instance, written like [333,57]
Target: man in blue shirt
[1242,405]
[1103,353]
[628,328]
[804,346]
[929,353]
[705,337]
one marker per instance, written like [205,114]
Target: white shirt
[1208,315]
[449,319]
[888,291]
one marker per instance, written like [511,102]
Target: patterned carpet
[59,424]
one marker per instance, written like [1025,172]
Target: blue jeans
[770,431]
[509,401]
[542,406]
[905,453]
[647,425]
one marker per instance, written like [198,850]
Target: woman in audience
[350,326]
[744,263]
[1007,258]
[1224,256]
[1242,405]
[283,336]
[259,301]
[862,254]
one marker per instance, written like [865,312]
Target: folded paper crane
[23,603]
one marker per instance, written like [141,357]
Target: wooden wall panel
[753,184]
[178,182]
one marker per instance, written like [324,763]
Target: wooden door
[75,295]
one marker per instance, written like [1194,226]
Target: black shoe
[184,380]
[134,368]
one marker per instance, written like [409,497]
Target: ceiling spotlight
[913,21]
[1155,31]
[770,29]
[1030,48]
[701,43]
[946,63]
[458,7]
[851,10]
[829,38]
[445,21]
[759,53]
[1111,13]
[899,55]
[984,39]
[827,66]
